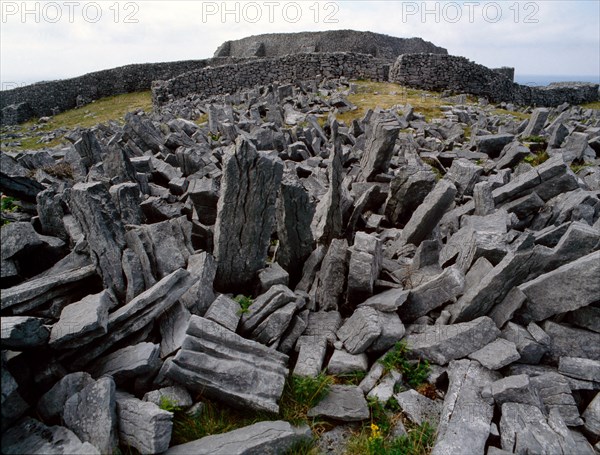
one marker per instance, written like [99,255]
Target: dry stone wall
[46,98]
[290,68]
[279,44]
[458,74]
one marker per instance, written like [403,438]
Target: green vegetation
[534,139]
[166,404]
[414,373]
[7,205]
[303,448]
[593,105]
[300,394]
[99,111]
[537,158]
[387,95]
[214,419]
[353,378]
[576,167]
[375,439]
[244,302]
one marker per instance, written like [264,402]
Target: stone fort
[289,57]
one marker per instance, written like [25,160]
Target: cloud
[541,37]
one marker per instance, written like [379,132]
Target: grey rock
[332,276]
[22,332]
[262,437]
[272,328]
[512,155]
[464,174]
[364,267]
[483,199]
[294,216]
[392,330]
[483,236]
[528,348]
[572,342]
[571,286]
[476,301]
[225,366]
[174,395]
[576,147]
[360,330]
[100,221]
[466,415]
[32,436]
[91,414]
[225,311]
[480,268]
[549,179]
[13,406]
[173,324]
[525,429]
[381,134]
[516,389]
[327,221]
[143,425]
[586,317]
[311,354]
[384,390]
[17,239]
[433,294]
[504,311]
[131,361]
[293,332]
[204,194]
[387,301]
[427,254]
[275,298]
[36,292]
[342,362]
[536,122]
[126,197]
[408,189]
[310,268]
[82,322]
[52,403]
[442,343]
[497,354]
[429,213]
[346,403]
[250,186]
[419,408]
[335,441]
[591,416]
[323,324]
[200,296]
[586,369]
[272,275]
[373,376]
[492,144]
[135,316]
[555,393]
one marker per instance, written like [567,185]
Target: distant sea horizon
[539,80]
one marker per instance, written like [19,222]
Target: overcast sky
[49,40]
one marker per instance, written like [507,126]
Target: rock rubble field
[165,263]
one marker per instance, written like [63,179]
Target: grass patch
[537,158]
[99,111]
[534,139]
[414,374]
[592,105]
[580,166]
[244,302]
[166,404]
[300,394]
[386,95]
[515,114]
[214,419]
[305,447]
[353,378]
[8,205]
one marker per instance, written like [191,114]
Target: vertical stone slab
[245,214]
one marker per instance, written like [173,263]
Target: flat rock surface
[346,403]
